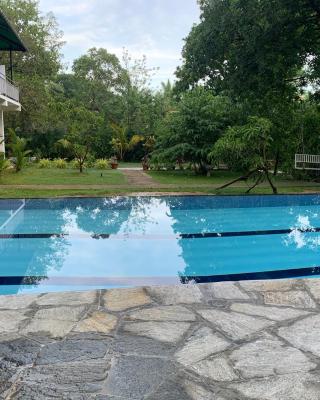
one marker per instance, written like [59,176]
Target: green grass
[124,164]
[127,190]
[54,176]
[190,178]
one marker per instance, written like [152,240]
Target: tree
[253,50]
[35,69]
[121,142]
[189,132]
[246,148]
[100,75]
[18,147]
[82,128]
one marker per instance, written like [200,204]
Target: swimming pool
[86,243]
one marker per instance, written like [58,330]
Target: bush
[60,163]
[102,163]
[44,163]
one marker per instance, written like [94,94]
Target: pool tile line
[200,235]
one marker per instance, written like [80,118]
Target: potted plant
[114,162]
[145,163]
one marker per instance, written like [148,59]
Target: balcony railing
[8,89]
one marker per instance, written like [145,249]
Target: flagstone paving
[220,341]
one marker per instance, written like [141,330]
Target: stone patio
[223,341]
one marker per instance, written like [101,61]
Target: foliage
[246,148]
[33,70]
[121,143]
[253,49]
[102,163]
[4,163]
[60,163]
[189,132]
[44,163]
[19,151]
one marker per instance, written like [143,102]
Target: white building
[9,92]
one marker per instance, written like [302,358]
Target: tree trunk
[276,165]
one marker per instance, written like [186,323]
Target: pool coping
[228,340]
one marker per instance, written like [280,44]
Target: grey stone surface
[198,392]
[224,290]
[135,377]
[294,298]
[200,345]
[67,298]
[269,356]
[11,320]
[17,302]
[304,334]
[164,313]
[63,381]
[168,295]
[225,341]
[169,332]
[139,345]
[21,351]
[218,369]
[72,350]
[285,387]
[274,313]
[171,389]
[235,325]
[63,313]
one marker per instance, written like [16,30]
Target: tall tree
[36,68]
[254,49]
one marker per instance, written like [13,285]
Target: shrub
[44,163]
[60,163]
[102,163]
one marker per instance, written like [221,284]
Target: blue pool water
[75,244]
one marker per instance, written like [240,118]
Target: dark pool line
[181,235]
[254,276]
[264,275]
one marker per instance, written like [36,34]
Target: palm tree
[121,142]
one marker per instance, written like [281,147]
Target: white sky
[155,28]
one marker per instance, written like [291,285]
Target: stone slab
[67,298]
[98,321]
[17,302]
[123,299]
[294,298]
[142,376]
[304,334]
[237,326]
[11,320]
[164,313]
[217,369]
[170,295]
[170,332]
[269,356]
[224,290]
[273,313]
[200,345]
[286,387]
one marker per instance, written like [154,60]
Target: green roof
[9,39]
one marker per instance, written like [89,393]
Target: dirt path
[139,178]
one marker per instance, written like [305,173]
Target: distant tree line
[247,93]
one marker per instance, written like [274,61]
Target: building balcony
[8,89]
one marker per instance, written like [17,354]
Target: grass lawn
[190,178]
[124,164]
[129,190]
[55,176]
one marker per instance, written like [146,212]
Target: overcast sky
[151,27]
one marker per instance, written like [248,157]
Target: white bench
[307,161]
